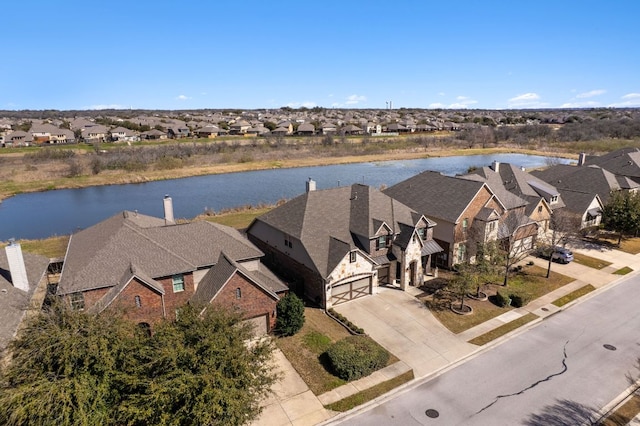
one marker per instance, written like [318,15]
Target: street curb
[481,349]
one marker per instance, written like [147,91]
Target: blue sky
[344,54]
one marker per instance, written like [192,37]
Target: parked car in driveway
[560,254]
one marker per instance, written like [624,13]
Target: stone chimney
[16,266]
[168,211]
[495,166]
[311,185]
[582,158]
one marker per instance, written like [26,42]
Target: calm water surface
[60,212]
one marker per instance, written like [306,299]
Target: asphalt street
[561,372]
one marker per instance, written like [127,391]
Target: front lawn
[530,282]
[305,350]
[610,240]
[589,261]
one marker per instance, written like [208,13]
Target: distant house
[147,268]
[95,133]
[209,131]
[154,134]
[178,131]
[341,244]
[306,129]
[121,134]
[327,129]
[351,129]
[240,127]
[18,138]
[21,273]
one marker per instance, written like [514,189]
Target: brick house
[465,210]
[148,268]
[339,244]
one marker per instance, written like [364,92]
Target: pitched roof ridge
[142,233]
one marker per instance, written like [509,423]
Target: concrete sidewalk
[405,327]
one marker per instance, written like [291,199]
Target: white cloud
[463,102]
[630,100]
[631,96]
[586,104]
[182,97]
[100,106]
[306,104]
[591,93]
[525,97]
[440,93]
[526,100]
[355,99]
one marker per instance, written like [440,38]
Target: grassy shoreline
[10,188]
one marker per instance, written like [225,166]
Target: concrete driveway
[400,323]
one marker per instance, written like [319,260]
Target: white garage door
[351,290]
[259,325]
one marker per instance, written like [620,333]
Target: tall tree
[516,232]
[71,368]
[563,226]
[622,213]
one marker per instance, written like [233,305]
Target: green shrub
[290,315]
[519,300]
[502,300]
[356,356]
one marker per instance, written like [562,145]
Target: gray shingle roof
[515,187]
[99,256]
[219,275]
[329,222]
[623,162]
[588,179]
[436,195]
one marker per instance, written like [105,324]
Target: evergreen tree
[290,318]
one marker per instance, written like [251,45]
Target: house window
[491,226]
[238,293]
[462,250]
[352,257]
[465,223]
[178,283]
[382,242]
[287,241]
[77,301]
[554,199]
[138,302]
[539,209]
[421,232]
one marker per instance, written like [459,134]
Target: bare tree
[563,226]
[516,235]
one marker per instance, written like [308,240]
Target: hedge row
[345,321]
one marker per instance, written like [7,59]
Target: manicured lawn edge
[623,271]
[573,295]
[503,329]
[623,414]
[371,393]
[591,262]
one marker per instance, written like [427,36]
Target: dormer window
[383,241]
[554,199]
[352,257]
[421,232]
[287,241]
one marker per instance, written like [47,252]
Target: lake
[61,212]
